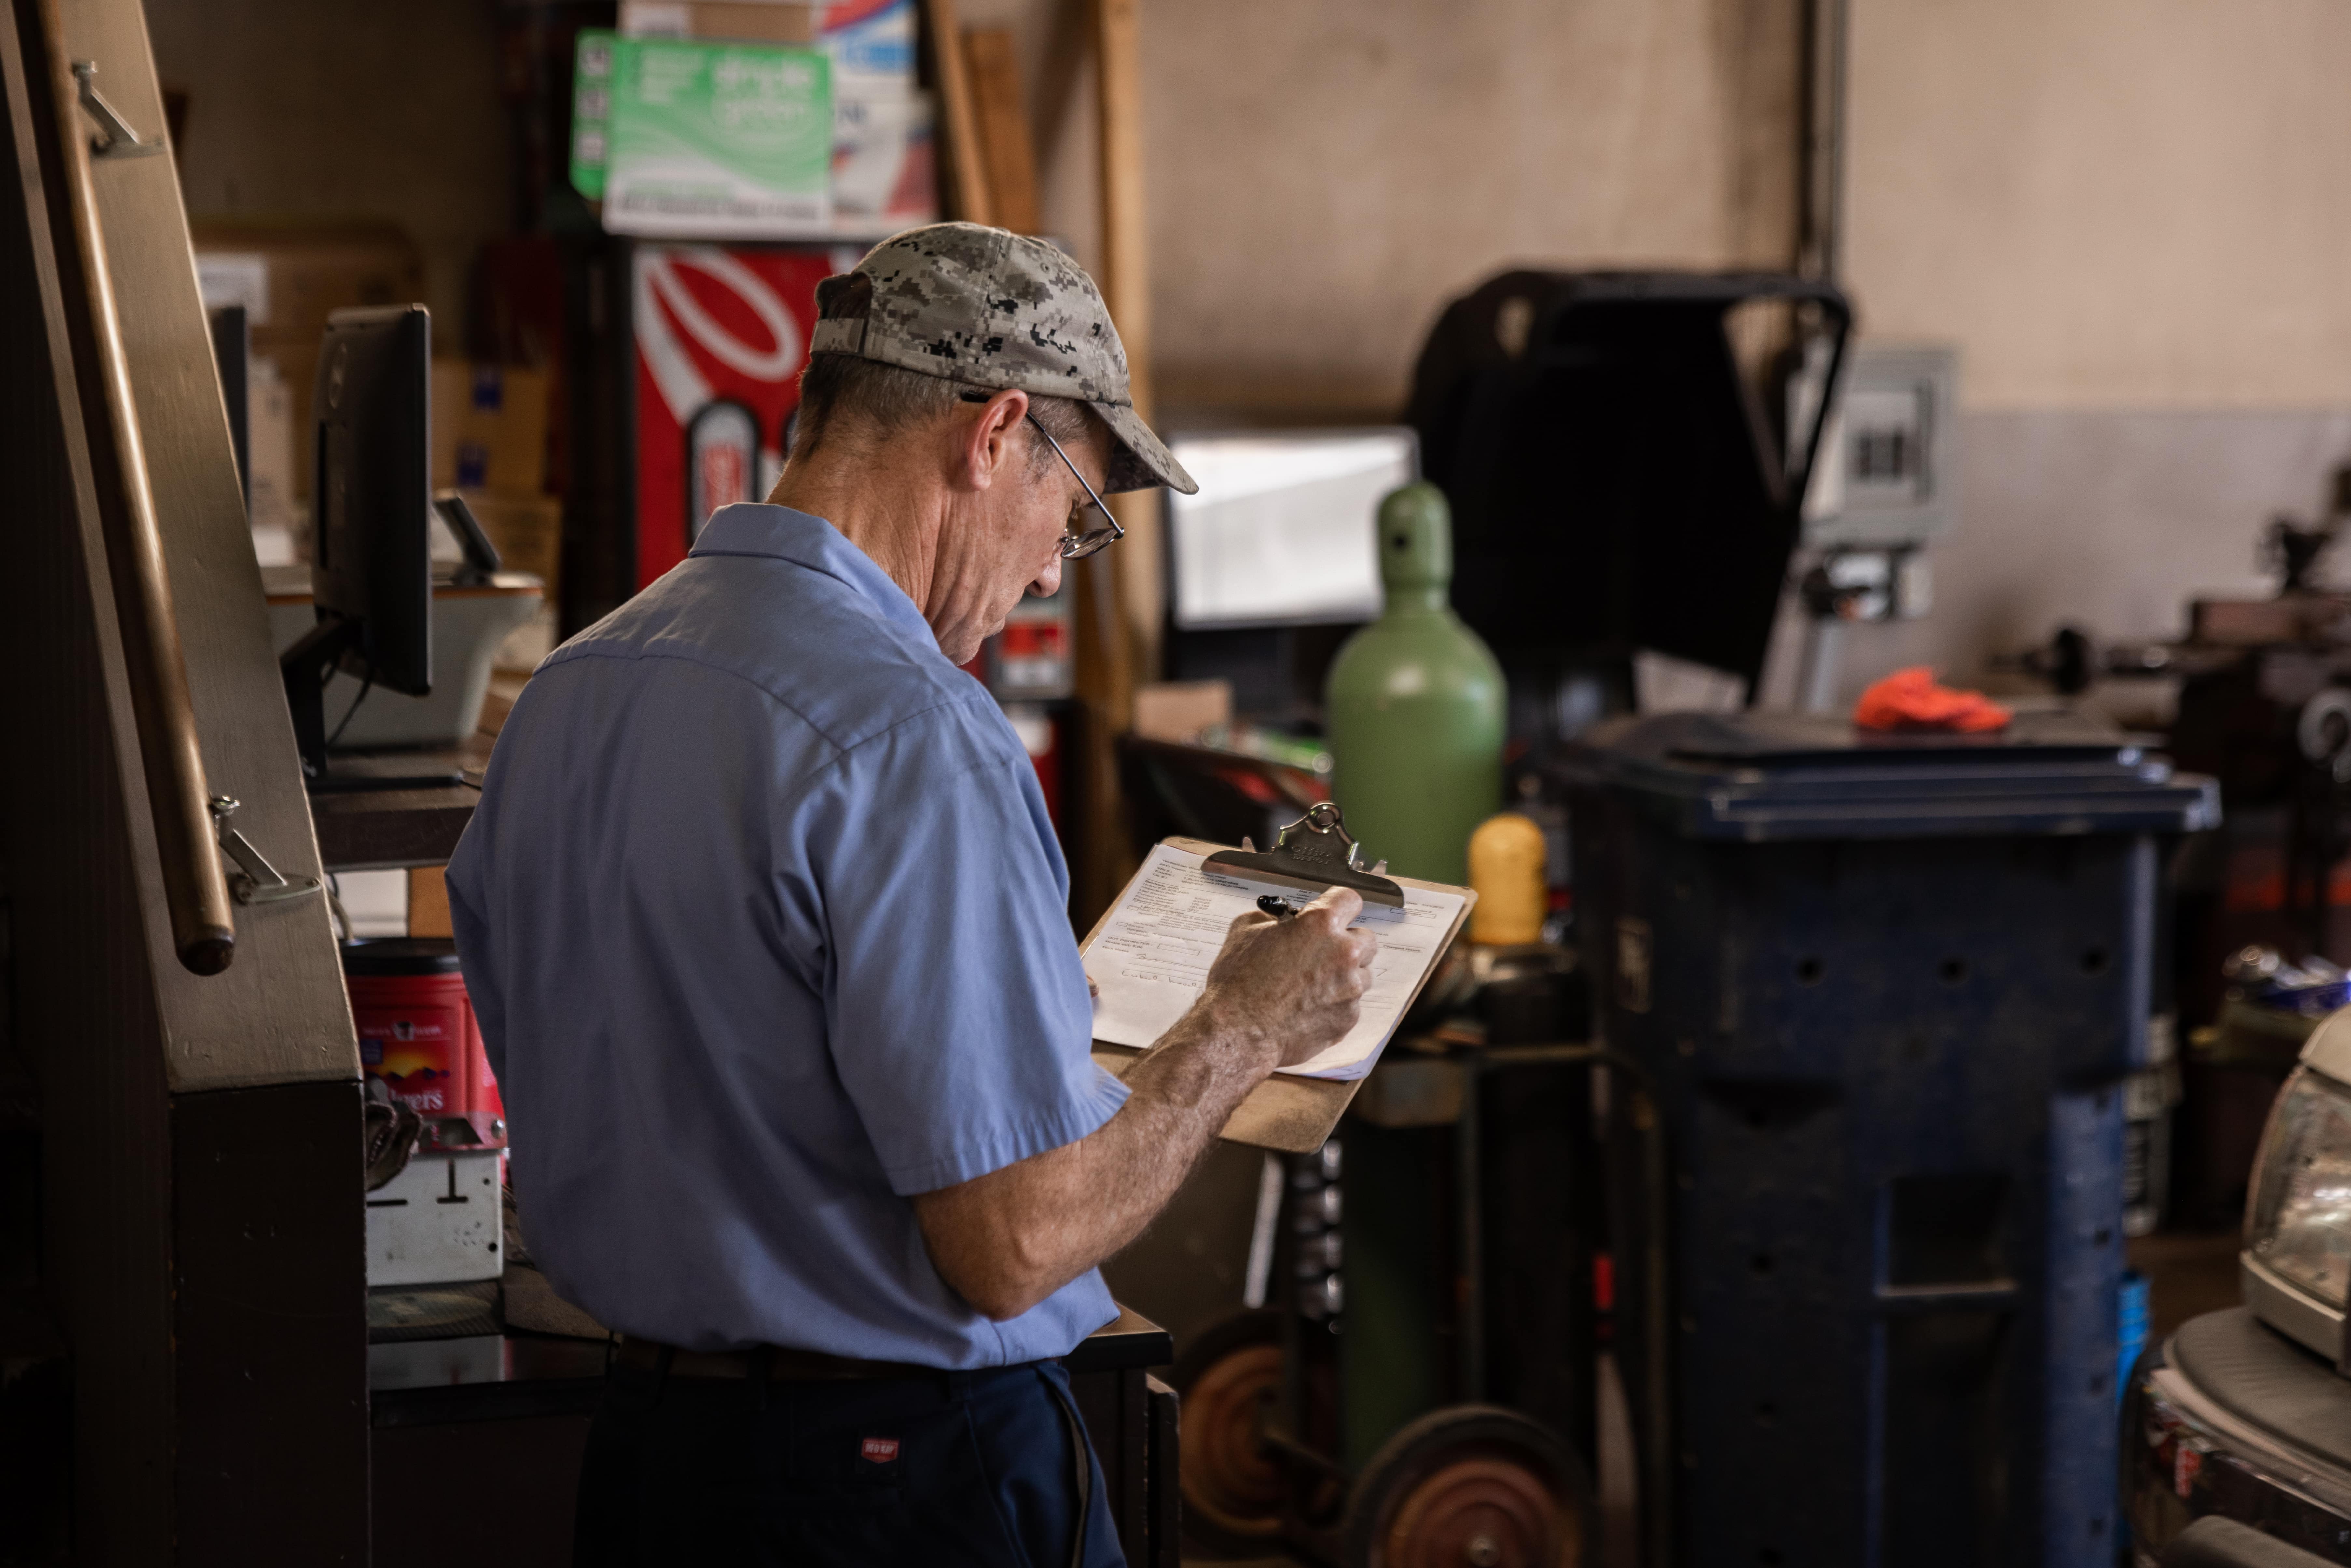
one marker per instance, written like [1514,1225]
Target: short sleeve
[960,1018]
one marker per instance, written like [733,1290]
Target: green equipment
[1414,705]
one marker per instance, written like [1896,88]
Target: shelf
[380,830]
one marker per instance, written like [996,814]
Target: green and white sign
[711,140]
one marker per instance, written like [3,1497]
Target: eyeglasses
[1076,544]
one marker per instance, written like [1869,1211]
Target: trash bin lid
[388,955]
[1764,776]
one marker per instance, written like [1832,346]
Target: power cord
[366,686]
[342,916]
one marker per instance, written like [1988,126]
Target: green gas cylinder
[1414,706]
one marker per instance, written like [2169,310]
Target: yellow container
[1507,857]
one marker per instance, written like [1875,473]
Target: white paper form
[1152,958]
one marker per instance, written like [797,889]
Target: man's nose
[1048,582]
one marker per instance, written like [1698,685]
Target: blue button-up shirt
[765,923]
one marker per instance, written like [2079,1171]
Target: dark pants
[977,1468]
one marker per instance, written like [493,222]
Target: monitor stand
[307,668]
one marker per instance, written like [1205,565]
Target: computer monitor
[372,549]
[1281,532]
[1274,562]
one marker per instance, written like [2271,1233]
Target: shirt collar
[755,528]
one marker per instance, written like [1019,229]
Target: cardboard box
[526,530]
[747,21]
[708,140]
[489,428]
[884,159]
[1179,710]
[290,278]
[275,515]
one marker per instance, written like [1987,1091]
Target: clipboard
[1286,1113]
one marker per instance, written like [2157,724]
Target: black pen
[1273,904]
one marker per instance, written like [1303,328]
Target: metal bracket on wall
[254,881]
[117,139]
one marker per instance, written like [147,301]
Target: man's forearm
[1011,1238]
[1280,990]
[1180,1097]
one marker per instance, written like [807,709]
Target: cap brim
[1143,461]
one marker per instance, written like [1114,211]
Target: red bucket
[416,1024]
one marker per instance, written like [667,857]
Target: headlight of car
[2297,1255]
[2299,1222]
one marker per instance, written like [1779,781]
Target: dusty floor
[2187,1275]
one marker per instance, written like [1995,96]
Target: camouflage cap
[992,309]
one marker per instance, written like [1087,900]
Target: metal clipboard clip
[1314,853]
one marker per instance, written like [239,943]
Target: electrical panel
[1886,477]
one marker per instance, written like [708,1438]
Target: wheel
[1469,1486]
[1233,1489]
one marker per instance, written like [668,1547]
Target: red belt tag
[880,1450]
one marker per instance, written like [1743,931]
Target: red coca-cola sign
[721,333]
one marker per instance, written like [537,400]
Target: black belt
[778,1364]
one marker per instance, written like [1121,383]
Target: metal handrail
[196,891]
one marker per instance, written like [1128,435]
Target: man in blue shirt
[765,923]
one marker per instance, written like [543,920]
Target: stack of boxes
[489,443]
[289,277]
[753,120]
[489,423]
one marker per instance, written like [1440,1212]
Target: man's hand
[1280,992]
[1296,984]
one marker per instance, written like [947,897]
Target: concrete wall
[2110,203]
[1324,174]
[2130,217]
[344,109]
[2105,519]
[2118,209]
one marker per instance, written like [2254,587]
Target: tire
[1470,1484]
[1233,1489]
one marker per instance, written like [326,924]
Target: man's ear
[991,442]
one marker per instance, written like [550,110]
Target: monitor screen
[1281,531]
[372,490]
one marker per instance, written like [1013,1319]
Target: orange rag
[1910,699]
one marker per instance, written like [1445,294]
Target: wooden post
[1127,285]
[966,191]
[1110,585]
[1003,120]
[1125,267]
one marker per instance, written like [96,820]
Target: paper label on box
[871,38]
[656,19]
[234,278]
[883,175]
[718,140]
[591,109]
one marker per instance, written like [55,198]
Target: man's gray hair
[842,393]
